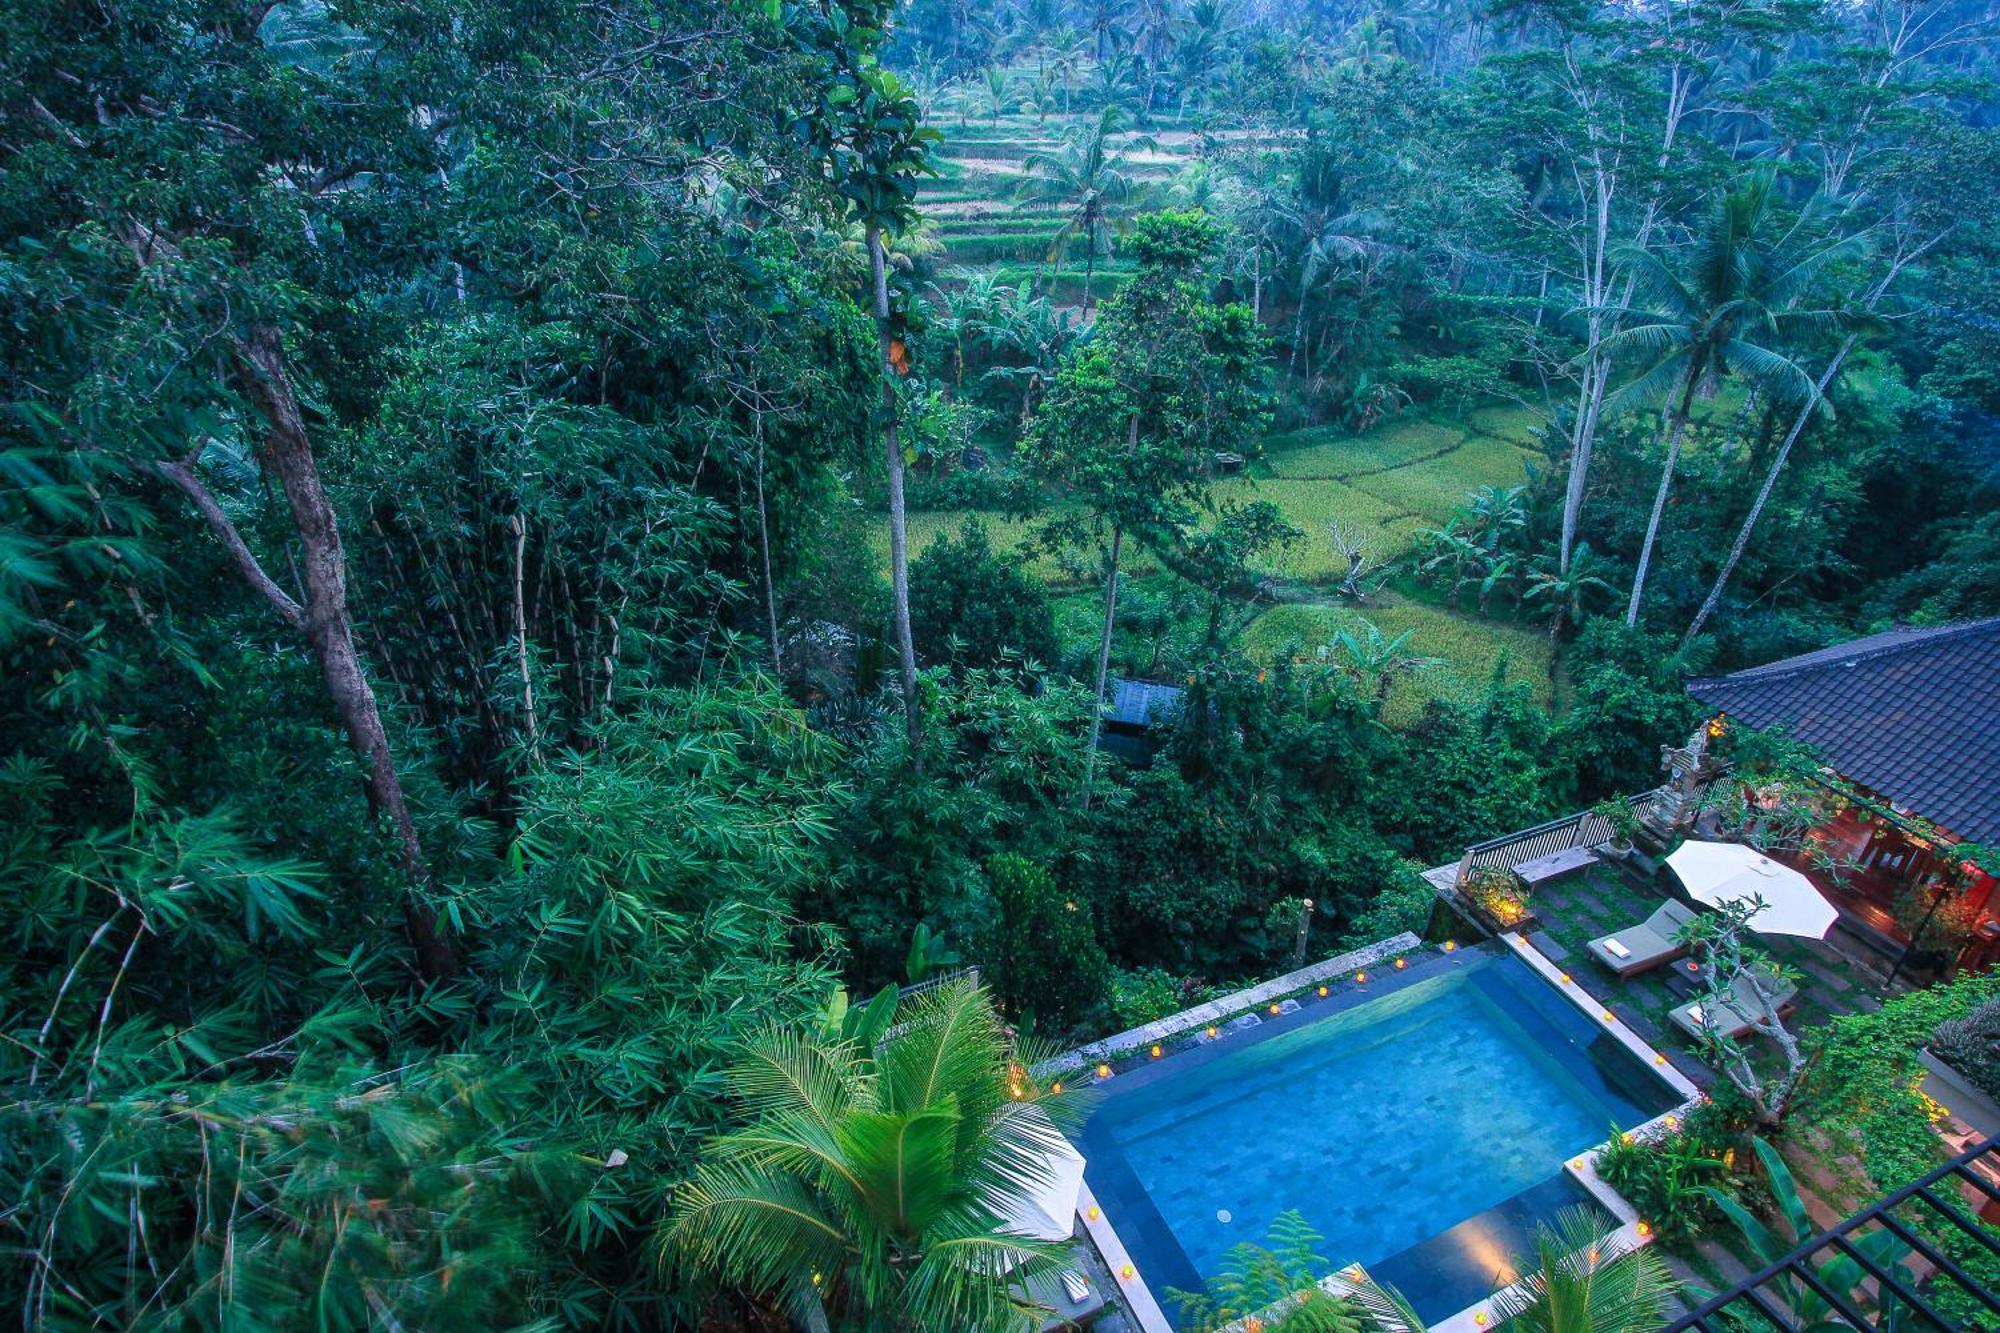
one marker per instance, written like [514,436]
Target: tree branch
[181,473]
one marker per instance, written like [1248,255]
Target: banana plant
[1842,1275]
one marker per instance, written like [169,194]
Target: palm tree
[1327,235]
[1104,16]
[872,1177]
[1115,78]
[1584,1283]
[1088,180]
[1567,588]
[1154,39]
[999,90]
[1735,304]
[1375,654]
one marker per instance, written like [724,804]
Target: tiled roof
[1141,703]
[1913,714]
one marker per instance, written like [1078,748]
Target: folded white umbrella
[1719,873]
[1048,1212]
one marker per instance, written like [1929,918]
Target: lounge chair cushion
[1729,1015]
[1646,945]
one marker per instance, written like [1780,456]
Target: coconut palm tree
[1731,309]
[1326,235]
[1088,178]
[872,1177]
[1584,1282]
[998,88]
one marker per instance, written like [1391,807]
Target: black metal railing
[1586,828]
[1919,1215]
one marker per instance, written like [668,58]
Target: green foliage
[1843,1274]
[1042,957]
[871,1180]
[1581,1283]
[1278,1280]
[973,607]
[1663,1179]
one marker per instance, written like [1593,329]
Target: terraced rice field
[977,212]
[1468,649]
[1386,484]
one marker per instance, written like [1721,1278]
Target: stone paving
[1609,897]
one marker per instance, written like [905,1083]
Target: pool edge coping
[1244,1001]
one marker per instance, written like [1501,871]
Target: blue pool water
[1387,1123]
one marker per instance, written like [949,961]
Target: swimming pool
[1421,1131]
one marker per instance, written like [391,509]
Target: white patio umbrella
[1049,1211]
[1718,873]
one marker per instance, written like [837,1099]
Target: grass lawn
[1470,647]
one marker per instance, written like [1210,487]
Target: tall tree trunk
[1742,542]
[328,628]
[764,553]
[521,626]
[1257,284]
[1104,650]
[1677,428]
[1590,400]
[899,529]
[1089,265]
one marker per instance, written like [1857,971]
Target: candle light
[1156,1052]
[1104,1071]
[1274,1007]
[1126,1272]
[1402,963]
[1322,992]
[1360,977]
[1449,945]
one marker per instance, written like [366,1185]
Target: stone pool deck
[1610,897]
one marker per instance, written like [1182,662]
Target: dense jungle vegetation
[542,542]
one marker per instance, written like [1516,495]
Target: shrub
[1148,994]
[1498,895]
[1043,953]
[1662,1179]
[973,606]
[1971,1045]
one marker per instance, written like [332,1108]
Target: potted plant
[1962,1067]
[1500,898]
[1624,824]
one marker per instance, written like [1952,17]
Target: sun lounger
[1645,946]
[1734,1013]
[1058,1294]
